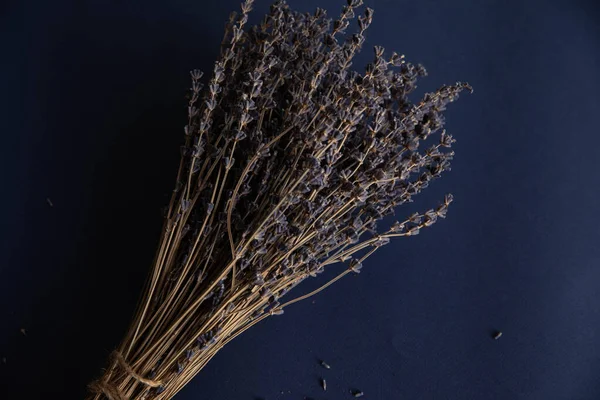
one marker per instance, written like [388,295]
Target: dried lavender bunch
[290,161]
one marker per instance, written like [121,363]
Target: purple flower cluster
[290,161]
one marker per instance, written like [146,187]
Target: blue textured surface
[92,115]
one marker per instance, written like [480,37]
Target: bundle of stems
[290,160]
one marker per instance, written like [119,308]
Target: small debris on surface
[323,384]
[3,360]
[497,335]
[357,393]
[23,331]
[325,365]
[49,202]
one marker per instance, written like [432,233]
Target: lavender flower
[290,163]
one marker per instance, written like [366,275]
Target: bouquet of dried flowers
[290,160]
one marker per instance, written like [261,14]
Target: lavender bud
[355,266]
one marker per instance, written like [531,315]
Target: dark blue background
[92,115]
